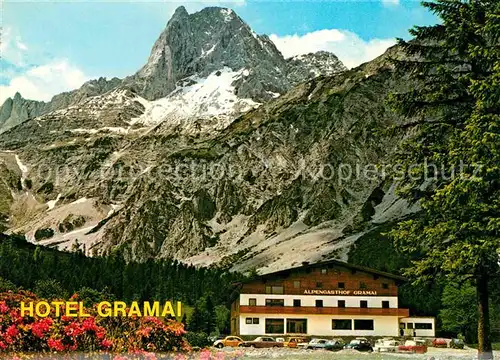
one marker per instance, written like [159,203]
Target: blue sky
[49,47]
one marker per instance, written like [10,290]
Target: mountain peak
[205,42]
[226,13]
[180,13]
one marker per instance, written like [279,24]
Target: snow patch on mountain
[198,98]
[52,203]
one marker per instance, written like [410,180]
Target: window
[363,304]
[385,286]
[319,303]
[341,304]
[363,325]
[324,271]
[296,284]
[252,302]
[248,321]
[275,302]
[275,326]
[255,321]
[341,324]
[409,325]
[385,304]
[423,326]
[362,285]
[341,285]
[297,303]
[274,290]
[319,285]
[296,326]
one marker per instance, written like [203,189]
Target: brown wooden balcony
[312,310]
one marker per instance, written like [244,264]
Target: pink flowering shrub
[63,333]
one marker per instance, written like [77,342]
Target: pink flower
[3,307]
[89,324]
[205,355]
[150,356]
[12,331]
[106,343]
[55,345]
[41,327]
[73,329]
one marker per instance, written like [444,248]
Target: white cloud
[20,45]
[390,2]
[12,49]
[44,81]
[349,47]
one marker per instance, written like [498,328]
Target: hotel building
[331,298]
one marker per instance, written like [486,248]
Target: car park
[293,342]
[360,344]
[457,344]
[325,344]
[386,345]
[439,342]
[413,346]
[232,341]
[262,342]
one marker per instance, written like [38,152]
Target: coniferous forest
[30,266]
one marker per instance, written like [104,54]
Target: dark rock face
[17,109]
[209,40]
[311,65]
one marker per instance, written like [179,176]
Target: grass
[495,346]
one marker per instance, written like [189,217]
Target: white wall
[419,332]
[321,325]
[328,301]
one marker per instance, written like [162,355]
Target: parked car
[439,343]
[360,345]
[232,341]
[293,342]
[280,339]
[386,345]
[262,342]
[414,346]
[325,344]
[457,344]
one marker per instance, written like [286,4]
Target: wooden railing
[312,310]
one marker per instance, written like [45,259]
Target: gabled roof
[306,266]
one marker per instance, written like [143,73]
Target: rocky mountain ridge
[124,173]
[15,110]
[184,68]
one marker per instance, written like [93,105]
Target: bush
[198,339]
[91,296]
[7,285]
[61,334]
[41,234]
[50,289]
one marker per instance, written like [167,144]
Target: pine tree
[454,107]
